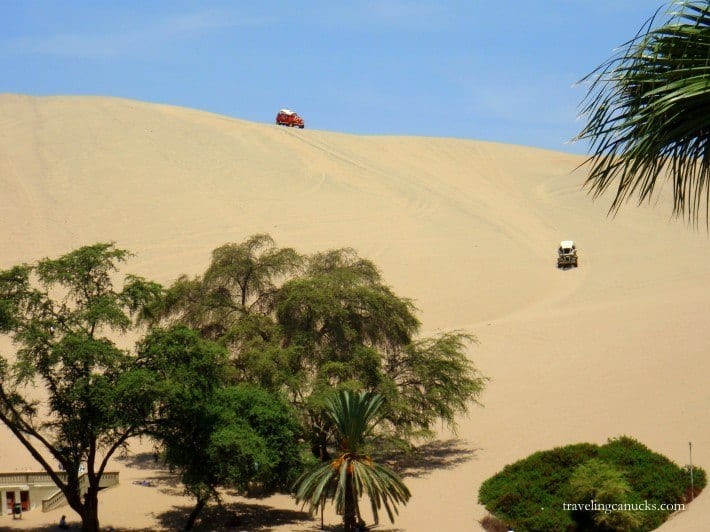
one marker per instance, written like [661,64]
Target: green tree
[239,280]
[648,113]
[60,314]
[353,473]
[340,323]
[322,322]
[216,435]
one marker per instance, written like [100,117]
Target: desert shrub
[530,494]
[604,483]
[699,482]
[652,476]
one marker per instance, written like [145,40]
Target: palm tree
[345,478]
[648,110]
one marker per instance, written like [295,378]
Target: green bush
[604,483]
[530,493]
[699,481]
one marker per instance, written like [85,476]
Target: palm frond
[354,415]
[648,111]
[382,486]
[316,486]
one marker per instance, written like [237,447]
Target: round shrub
[531,493]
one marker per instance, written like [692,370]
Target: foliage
[699,482]
[651,475]
[59,314]
[305,325]
[434,380]
[240,280]
[648,110]
[217,435]
[601,482]
[353,472]
[530,493]
[247,413]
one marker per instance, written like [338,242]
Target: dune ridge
[467,229]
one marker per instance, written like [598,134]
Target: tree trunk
[319,446]
[90,514]
[320,451]
[195,512]
[350,511]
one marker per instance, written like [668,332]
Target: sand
[467,229]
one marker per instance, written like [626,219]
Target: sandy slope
[467,229]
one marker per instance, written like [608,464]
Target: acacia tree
[330,323]
[60,314]
[648,113]
[353,473]
[347,329]
[240,281]
[215,435]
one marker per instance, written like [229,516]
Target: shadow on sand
[144,460]
[214,518]
[445,454]
[250,517]
[423,460]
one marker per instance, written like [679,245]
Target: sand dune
[467,229]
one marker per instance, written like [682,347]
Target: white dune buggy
[567,255]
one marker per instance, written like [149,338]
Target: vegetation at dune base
[236,377]
[353,472]
[530,494]
[61,315]
[213,433]
[647,112]
[305,326]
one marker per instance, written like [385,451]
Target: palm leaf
[648,113]
[354,415]
[316,486]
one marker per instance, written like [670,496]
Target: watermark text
[594,506]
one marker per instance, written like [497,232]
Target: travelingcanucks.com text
[594,506]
